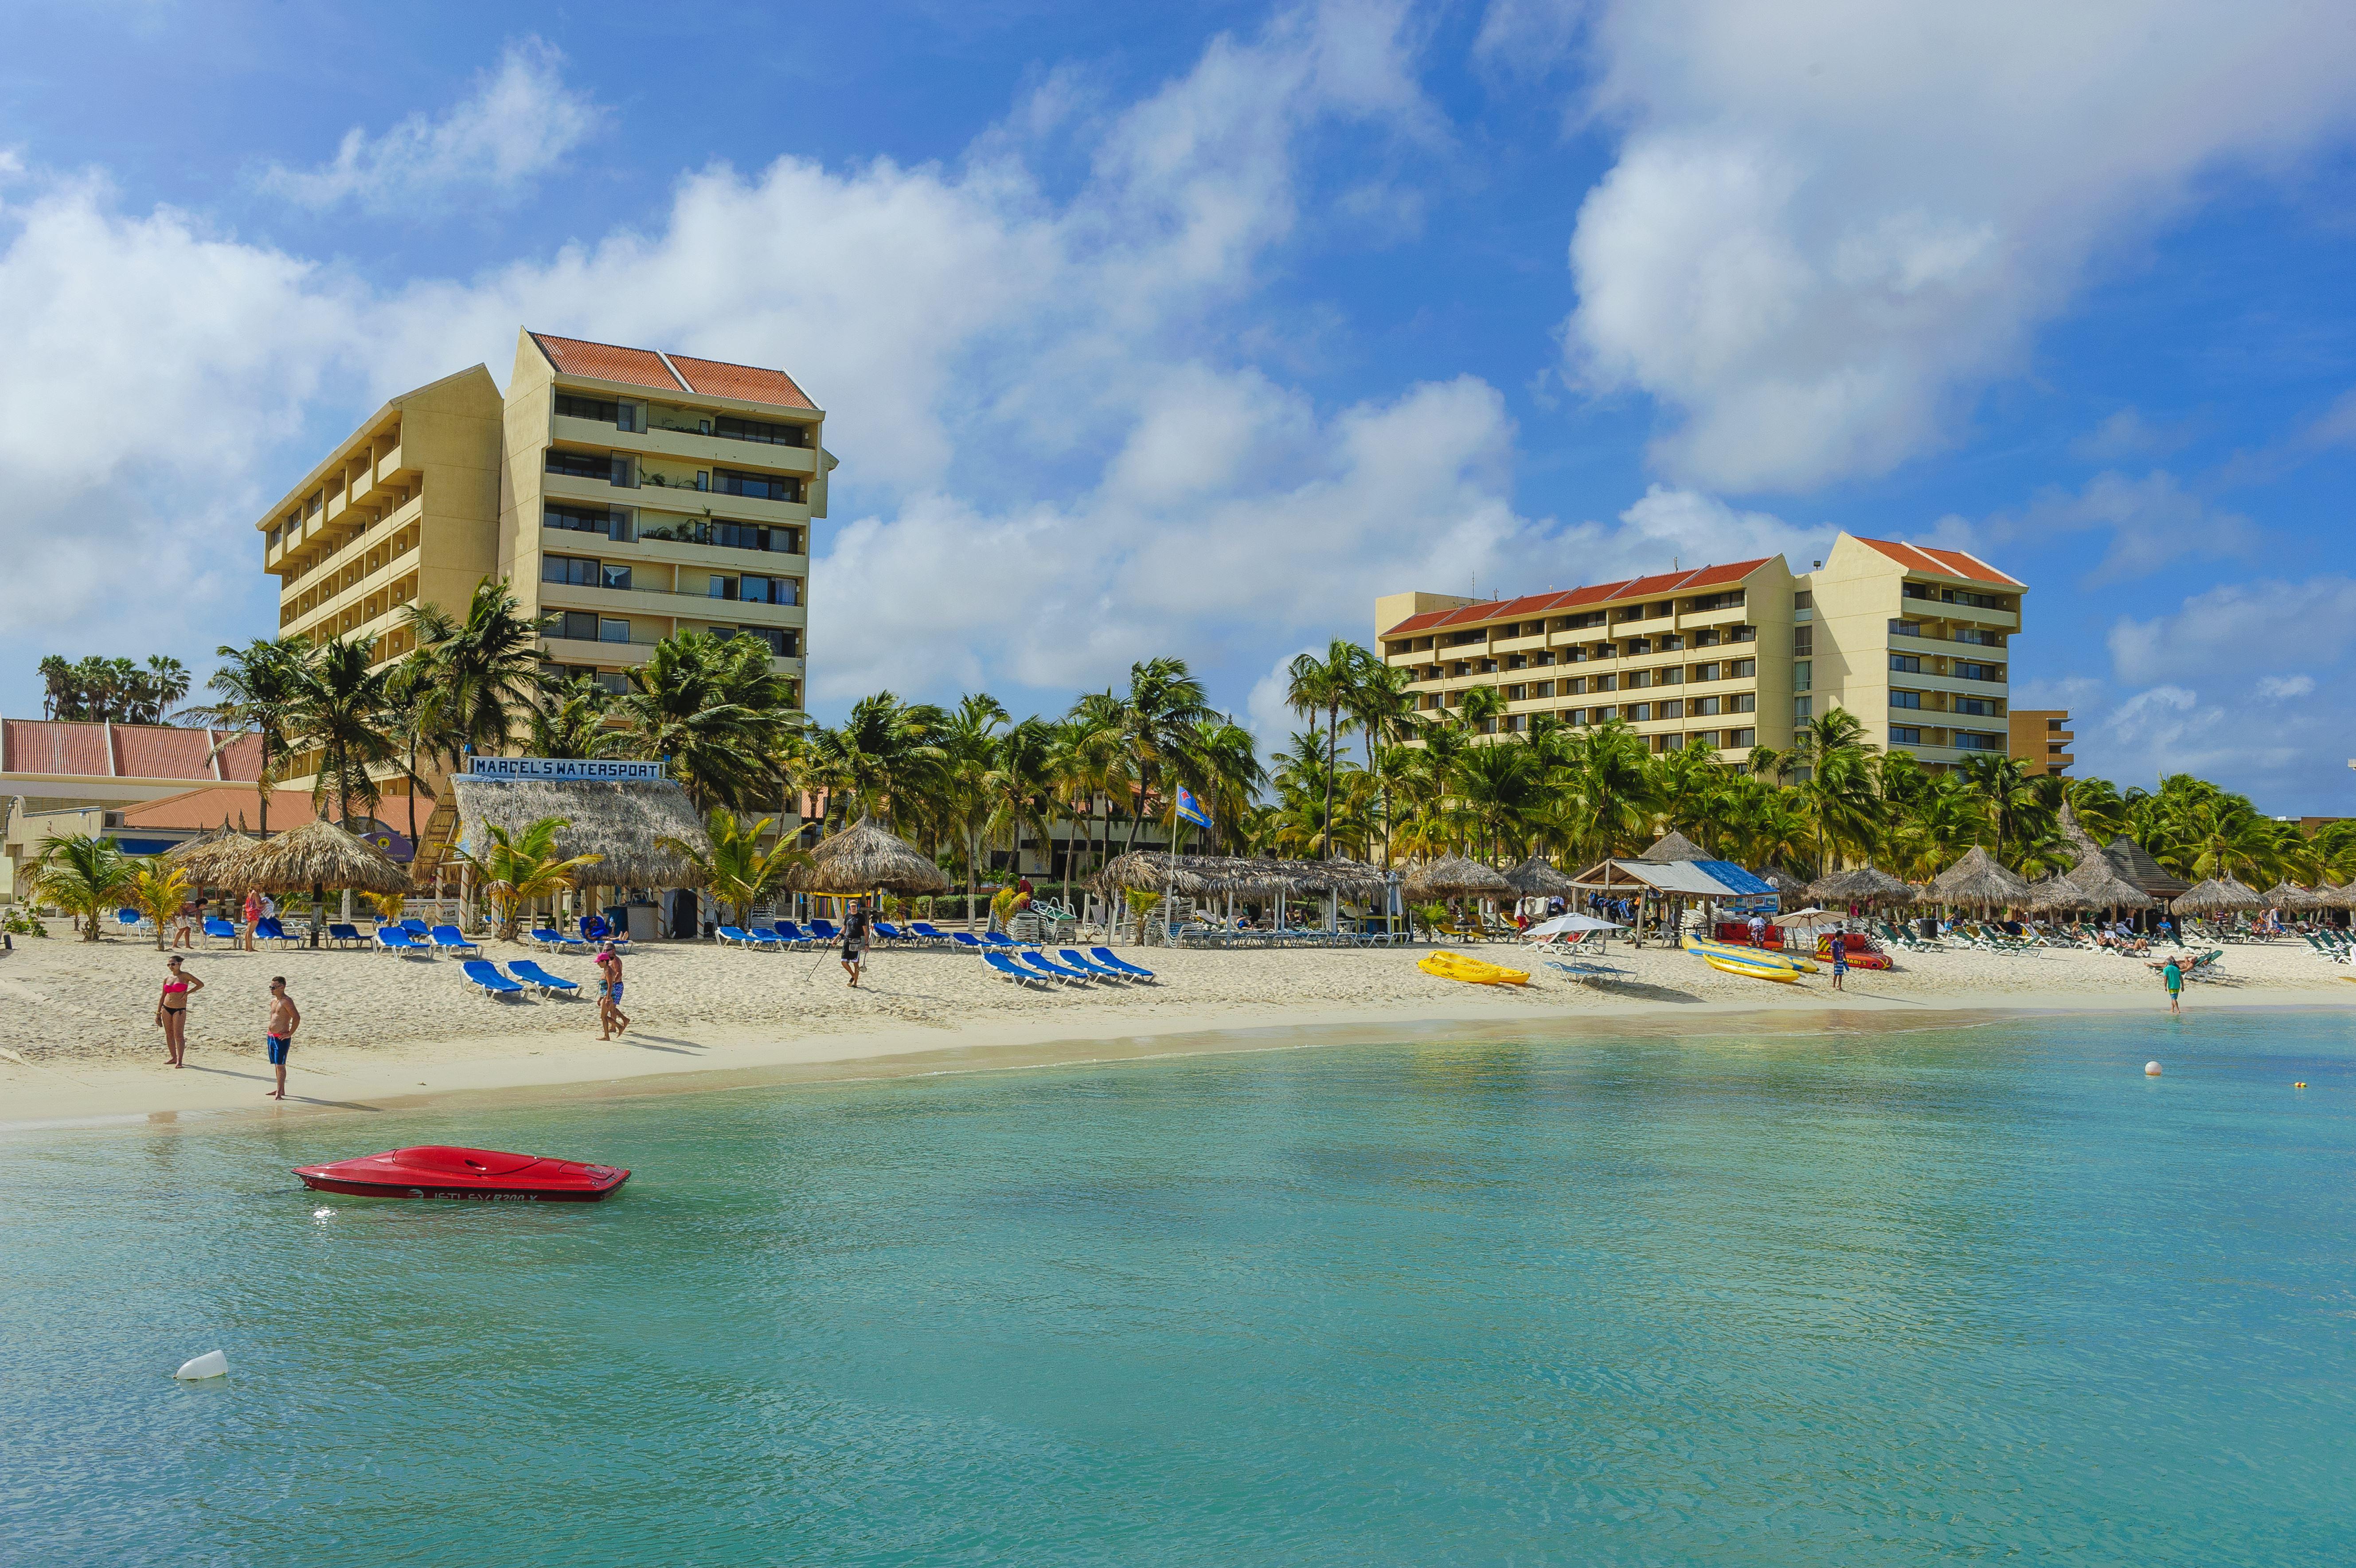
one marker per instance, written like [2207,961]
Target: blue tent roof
[1736,880]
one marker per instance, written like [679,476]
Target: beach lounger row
[400,937]
[1075,968]
[522,974]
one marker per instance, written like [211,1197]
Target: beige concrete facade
[646,493]
[1911,641]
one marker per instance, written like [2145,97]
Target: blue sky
[1190,329]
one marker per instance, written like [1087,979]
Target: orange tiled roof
[209,806]
[607,363]
[1593,593]
[717,377]
[1945,563]
[79,749]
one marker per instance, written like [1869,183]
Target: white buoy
[211,1364]
[2151,1070]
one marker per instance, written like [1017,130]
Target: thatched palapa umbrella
[317,856]
[2327,896]
[2219,895]
[1538,878]
[1453,876]
[865,858]
[1980,881]
[2288,895]
[1865,885]
[1671,847]
[2100,886]
[214,859]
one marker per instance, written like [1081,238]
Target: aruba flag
[1191,808]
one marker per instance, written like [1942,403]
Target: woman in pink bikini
[172,1011]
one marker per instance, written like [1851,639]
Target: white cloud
[2241,627]
[2281,688]
[1269,716]
[2127,433]
[520,123]
[2153,522]
[1830,224]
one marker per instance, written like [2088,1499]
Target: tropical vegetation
[116,689]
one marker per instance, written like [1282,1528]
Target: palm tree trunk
[1333,719]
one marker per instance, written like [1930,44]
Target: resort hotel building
[628,493]
[1911,639]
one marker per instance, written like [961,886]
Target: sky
[1191,329]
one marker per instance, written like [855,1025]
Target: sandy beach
[78,1039]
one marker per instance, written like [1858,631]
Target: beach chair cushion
[1012,970]
[824,931]
[889,932]
[449,936]
[214,928]
[394,937]
[728,934]
[341,933]
[1087,965]
[482,971]
[531,974]
[129,917]
[1110,959]
[1050,968]
[929,932]
[967,939]
[415,927]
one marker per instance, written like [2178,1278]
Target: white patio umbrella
[1569,926]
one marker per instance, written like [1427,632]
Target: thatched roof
[319,854]
[214,859]
[1538,878]
[1865,885]
[2135,864]
[866,858]
[2288,895]
[623,823]
[1671,846]
[1214,875]
[1453,876]
[2219,895]
[2327,896]
[2100,886]
[1979,879]
[2054,894]
[1351,878]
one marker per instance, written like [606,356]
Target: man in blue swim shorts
[279,1034]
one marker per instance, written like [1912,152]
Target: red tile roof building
[1910,638]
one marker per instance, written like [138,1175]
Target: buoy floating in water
[2300,1084]
[2151,1070]
[211,1364]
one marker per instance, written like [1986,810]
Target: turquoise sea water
[1970,1294]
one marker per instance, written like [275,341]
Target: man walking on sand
[278,1033]
[2174,975]
[611,1019]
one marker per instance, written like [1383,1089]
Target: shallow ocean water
[1883,1296]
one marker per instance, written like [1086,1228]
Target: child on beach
[278,1035]
[2174,975]
[1840,959]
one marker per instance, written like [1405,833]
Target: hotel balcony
[689,446]
[684,499]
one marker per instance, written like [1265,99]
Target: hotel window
[782,643]
[1575,687]
[1979,671]
[1669,675]
[1745,634]
[614,574]
[1803,641]
[1741,739]
[1804,600]
[1703,707]
[1905,699]
[1980,707]
[1906,663]
[1705,738]
[1605,716]
[614,681]
[1669,710]
[605,520]
[1574,715]
[1742,668]
[1972,740]
[1604,683]
[1803,675]
[1905,629]
[758,487]
[1636,645]
[1516,693]
[1742,703]
[736,429]
[1707,671]
[1542,660]
[1543,689]
[1518,662]
[1639,679]
[1905,734]
[1639,713]
[580,465]
[1802,707]
[570,570]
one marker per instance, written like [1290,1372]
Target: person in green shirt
[2174,975]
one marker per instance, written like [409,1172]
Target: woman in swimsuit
[172,1011]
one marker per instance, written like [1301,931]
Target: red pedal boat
[438,1170]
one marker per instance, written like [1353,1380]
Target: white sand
[77,1039]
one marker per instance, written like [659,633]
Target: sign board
[564,770]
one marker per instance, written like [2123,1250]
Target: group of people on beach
[172,1018]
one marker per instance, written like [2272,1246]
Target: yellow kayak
[1782,973]
[1756,957]
[1471,971]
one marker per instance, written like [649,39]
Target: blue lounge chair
[416,927]
[793,936]
[272,930]
[968,940]
[889,932]
[729,935]
[1011,969]
[928,933]
[824,931]
[1106,957]
[529,970]
[549,939]
[392,938]
[1003,942]
[341,934]
[450,937]
[482,971]
[1087,965]
[128,917]
[1051,969]
[219,928]
[770,936]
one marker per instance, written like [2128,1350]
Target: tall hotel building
[625,494]
[1911,639]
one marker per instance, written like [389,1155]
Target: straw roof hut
[2135,864]
[1350,878]
[1190,876]
[1865,885]
[319,854]
[2327,896]
[1671,846]
[1453,876]
[866,858]
[213,859]
[1977,880]
[2288,895]
[1538,878]
[2219,895]
[2100,886]
[623,823]
[2054,895]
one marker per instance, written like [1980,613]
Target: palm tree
[1017,789]
[1222,767]
[1158,718]
[711,708]
[739,871]
[517,868]
[158,889]
[164,683]
[489,664]
[569,718]
[882,757]
[967,741]
[2008,795]
[256,691]
[85,875]
[422,718]
[1326,686]
[339,709]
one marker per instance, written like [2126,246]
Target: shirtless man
[279,1035]
[611,1019]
